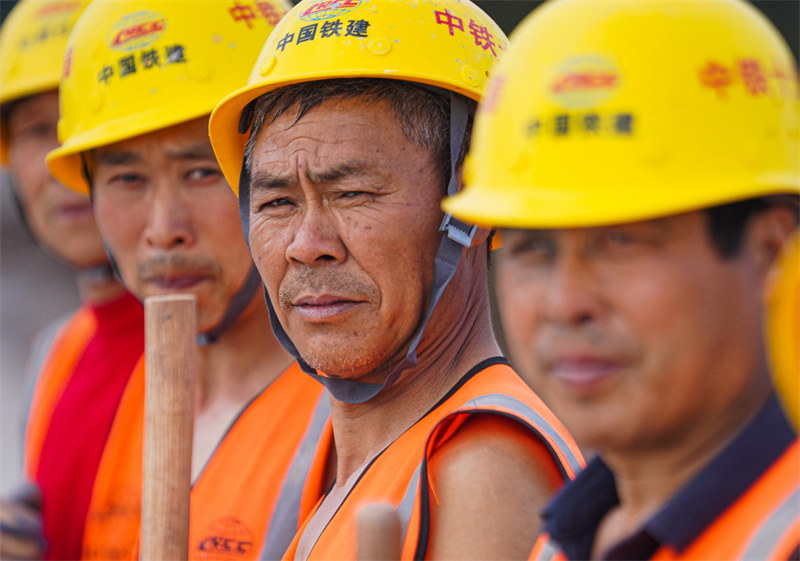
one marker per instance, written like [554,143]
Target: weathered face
[344,212]
[634,334]
[60,219]
[170,218]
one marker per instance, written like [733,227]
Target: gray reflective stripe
[40,349]
[284,523]
[547,553]
[774,528]
[406,506]
[539,422]
[42,346]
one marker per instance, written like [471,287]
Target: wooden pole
[378,533]
[170,366]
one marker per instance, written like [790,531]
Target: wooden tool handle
[378,533]
[170,366]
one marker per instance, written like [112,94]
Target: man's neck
[457,338]
[231,372]
[245,359]
[95,290]
[649,477]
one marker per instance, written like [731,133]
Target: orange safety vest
[398,475]
[764,523]
[67,349]
[261,462]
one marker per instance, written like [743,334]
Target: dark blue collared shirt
[573,516]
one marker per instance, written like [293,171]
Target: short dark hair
[727,223]
[5,114]
[423,114]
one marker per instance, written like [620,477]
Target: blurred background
[35,289]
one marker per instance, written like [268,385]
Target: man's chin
[343,367]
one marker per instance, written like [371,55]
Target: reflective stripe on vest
[284,522]
[398,474]
[500,404]
[535,419]
[43,346]
[508,406]
[763,523]
[544,550]
[406,506]
[775,528]
[66,351]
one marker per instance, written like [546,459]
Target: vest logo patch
[227,537]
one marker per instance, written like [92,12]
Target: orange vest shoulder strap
[524,408]
[288,513]
[778,536]
[545,550]
[541,421]
[764,523]
[112,523]
[61,360]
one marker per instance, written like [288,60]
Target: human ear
[767,233]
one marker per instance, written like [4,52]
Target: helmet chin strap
[237,305]
[456,236]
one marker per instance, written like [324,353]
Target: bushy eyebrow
[116,157]
[197,151]
[265,180]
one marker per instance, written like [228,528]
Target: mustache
[310,281]
[171,265]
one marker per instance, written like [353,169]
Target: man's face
[344,212]
[170,219]
[634,334]
[60,219]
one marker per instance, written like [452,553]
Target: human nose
[316,239]
[572,294]
[169,223]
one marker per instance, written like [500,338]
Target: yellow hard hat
[783,328]
[32,42]
[451,44]
[611,112]
[133,67]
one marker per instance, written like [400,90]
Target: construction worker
[342,144]
[80,365]
[139,80]
[642,160]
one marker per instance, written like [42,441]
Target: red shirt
[81,421]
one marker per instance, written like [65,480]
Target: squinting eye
[42,129]
[126,178]
[619,237]
[274,203]
[201,174]
[531,247]
[126,181]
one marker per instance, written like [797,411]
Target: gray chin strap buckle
[460,232]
